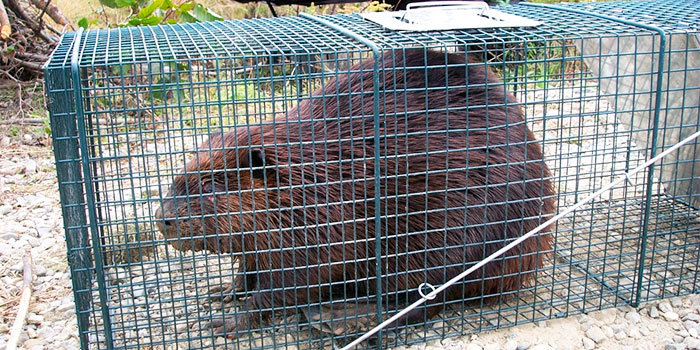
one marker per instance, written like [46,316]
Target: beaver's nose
[168,220]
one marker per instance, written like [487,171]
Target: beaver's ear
[257,160]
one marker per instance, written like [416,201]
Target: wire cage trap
[343,186]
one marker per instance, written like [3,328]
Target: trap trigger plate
[447,15]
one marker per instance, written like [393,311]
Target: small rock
[620,335]
[33,241]
[524,346]
[693,332]
[489,347]
[683,333]
[542,347]
[30,343]
[10,168]
[653,312]
[620,327]
[29,166]
[40,270]
[596,334]
[9,236]
[181,327]
[605,316]
[18,267]
[636,333]
[542,324]
[677,339]
[473,346]
[588,344]
[43,231]
[65,307]
[644,331]
[676,302]
[139,292]
[671,316]
[633,317]
[664,306]
[692,343]
[450,344]
[691,317]
[608,331]
[46,331]
[510,345]
[33,318]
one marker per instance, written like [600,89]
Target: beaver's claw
[227,291]
[224,292]
[227,325]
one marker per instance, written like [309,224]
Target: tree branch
[19,12]
[53,12]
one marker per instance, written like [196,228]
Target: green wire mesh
[129,106]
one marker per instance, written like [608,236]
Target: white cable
[536,230]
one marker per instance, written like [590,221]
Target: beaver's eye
[207,188]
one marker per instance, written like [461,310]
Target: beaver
[460,174]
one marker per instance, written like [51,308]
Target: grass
[19,102]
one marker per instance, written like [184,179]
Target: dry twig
[53,12]
[23,303]
[21,121]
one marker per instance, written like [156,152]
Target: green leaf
[167,4]
[186,17]
[83,23]
[117,3]
[186,7]
[10,49]
[153,20]
[134,21]
[172,21]
[148,10]
[202,14]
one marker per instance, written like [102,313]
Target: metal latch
[447,15]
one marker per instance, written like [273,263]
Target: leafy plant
[13,131]
[153,12]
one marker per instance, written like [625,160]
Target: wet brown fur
[328,145]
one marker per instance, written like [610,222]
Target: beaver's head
[220,197]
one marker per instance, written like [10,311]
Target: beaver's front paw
[227,291]
[230,324]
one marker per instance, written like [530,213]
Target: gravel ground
[31,222]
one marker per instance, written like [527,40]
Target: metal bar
[89,193]
[655,130]
[377,165]
[66,155]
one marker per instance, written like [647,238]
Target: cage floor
[595,267]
